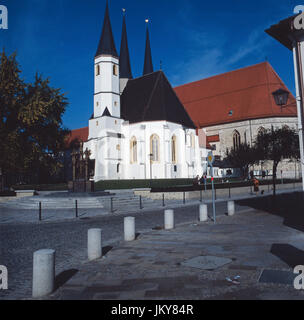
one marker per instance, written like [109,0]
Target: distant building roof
[80,135]
[235,96]
[151,98]
[215,138]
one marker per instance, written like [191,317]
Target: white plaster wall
[106,87]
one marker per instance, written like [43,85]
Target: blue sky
[193,39]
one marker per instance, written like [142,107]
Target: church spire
[106,44]
[124,60]
[148,65]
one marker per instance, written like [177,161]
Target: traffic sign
[210,158]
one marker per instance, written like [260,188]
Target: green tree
[242,157]
[31,131]
[276,145]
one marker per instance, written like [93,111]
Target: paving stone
[206,262]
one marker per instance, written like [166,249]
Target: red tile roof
[215,138]
[235,96]
[81,134]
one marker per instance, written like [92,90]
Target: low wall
[207,195]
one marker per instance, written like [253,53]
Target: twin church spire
[106,46]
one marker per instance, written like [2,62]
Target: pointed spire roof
[148,65]
[124,60]
[106,43]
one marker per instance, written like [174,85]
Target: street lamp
[292,37]
[280,97]
[151,158]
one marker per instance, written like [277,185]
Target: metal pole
[299,92]
[229,193]
[163,199]
[112,210]
[213,198]
[201,196]
[40,218]
[184,198]
[76,208]
[140,203]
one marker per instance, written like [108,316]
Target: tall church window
[192,141]
[174,149]
[98,70]
[133,150]
[236,140]
[154,148]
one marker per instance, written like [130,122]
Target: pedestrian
[256,184]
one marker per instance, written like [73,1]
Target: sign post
[210,160]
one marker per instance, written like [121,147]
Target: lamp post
[291,37]
[151,158]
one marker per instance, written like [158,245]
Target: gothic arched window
[133,150]
[236,139]
[154,148]
[174,149]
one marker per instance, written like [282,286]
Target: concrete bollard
[43,272]
[203,212]
[231,208]
[129,228]
[169,219]
[94,244]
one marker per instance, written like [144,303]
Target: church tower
[148,65]
[124,59]
[106,90]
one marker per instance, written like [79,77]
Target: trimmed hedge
[42,187]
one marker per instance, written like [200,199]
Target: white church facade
[139,129]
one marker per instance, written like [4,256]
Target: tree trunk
[274,176]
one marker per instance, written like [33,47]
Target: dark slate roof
[124,60]
[151,98]
[148,65]
[106,44]
[106,113]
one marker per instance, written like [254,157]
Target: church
[139,128]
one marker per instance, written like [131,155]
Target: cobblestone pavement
[152,266]
[69,238]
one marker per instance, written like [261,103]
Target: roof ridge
[145,75]
[223,74]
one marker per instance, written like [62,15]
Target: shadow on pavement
[64,277]
[106,249]
[289,254]
[288,206]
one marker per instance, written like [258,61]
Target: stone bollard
[169,219]
[94,244]
[231,208]
[203,212]
[43,272]
[129,228]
